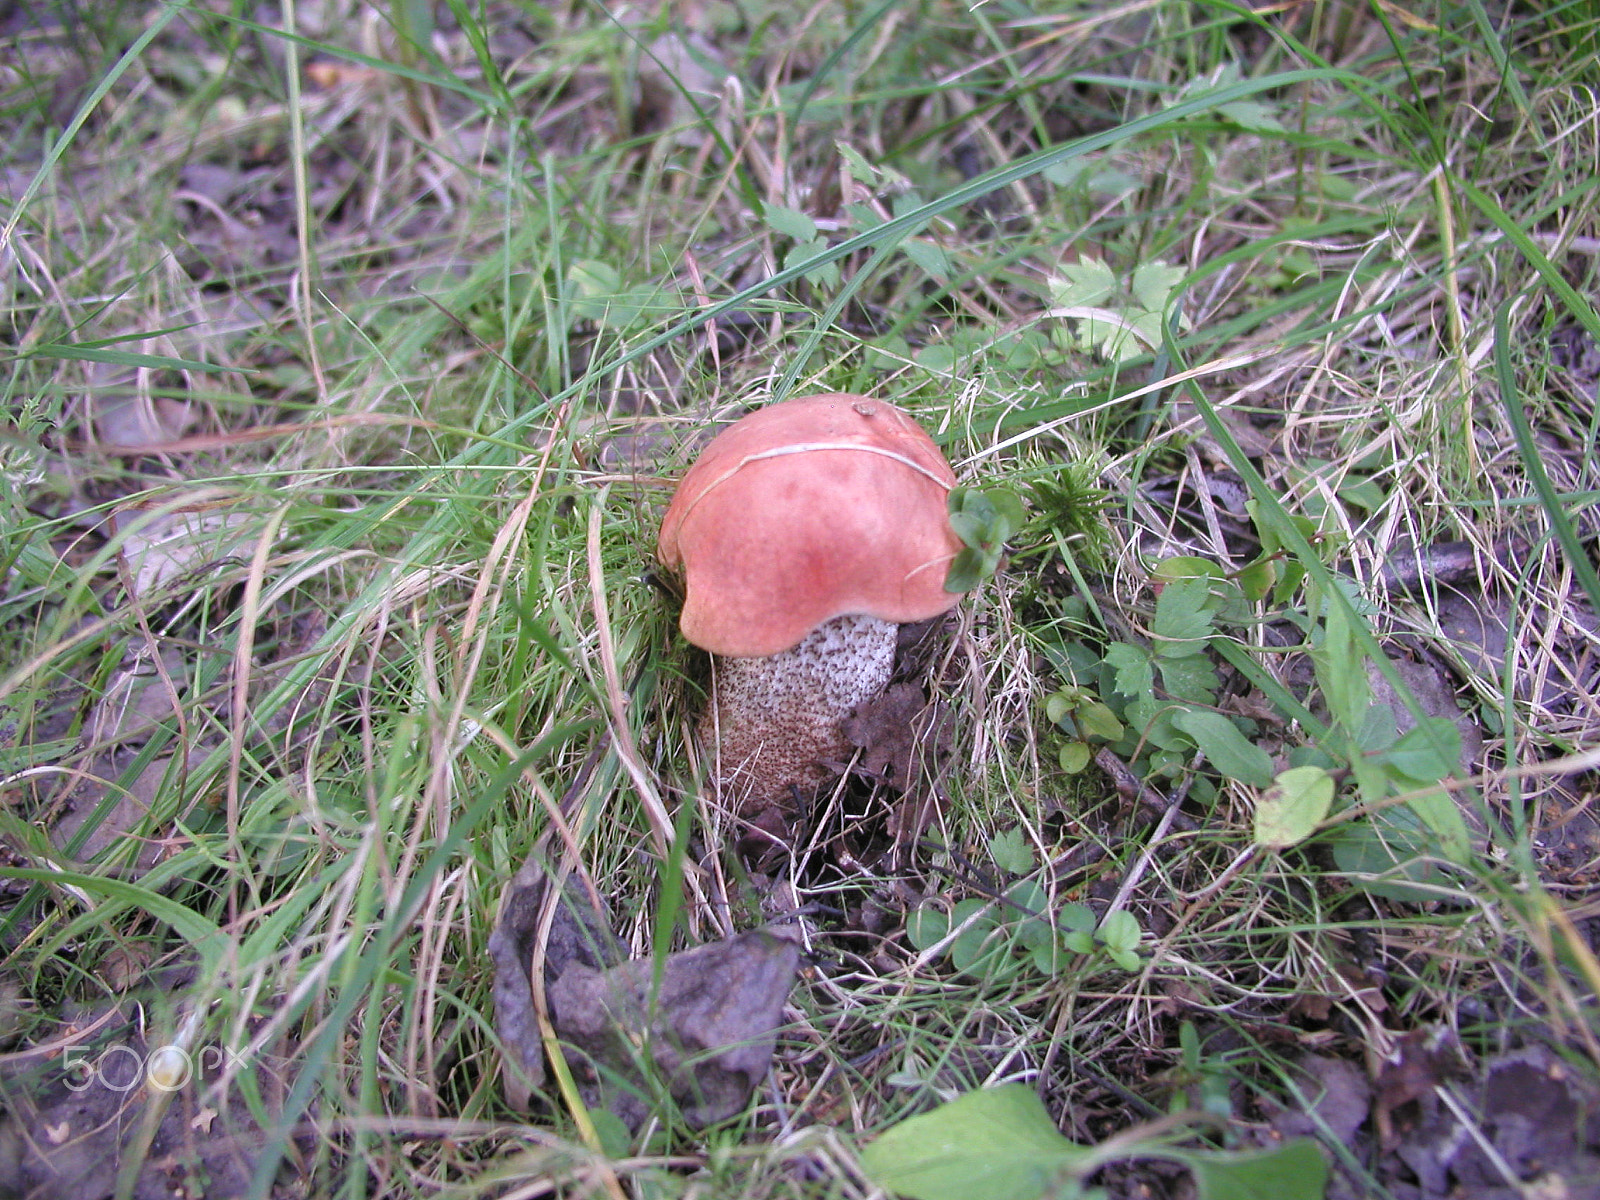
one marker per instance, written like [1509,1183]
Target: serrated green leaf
[1293,807]
[1193,679]
[790,222]
[1183,618]
[1147,328]
[1082,284]
[1251,115]
[1228,750]
[1131,669]
[1011,852]
[1154,283]
[995,1144]
[929,256]
[860,169]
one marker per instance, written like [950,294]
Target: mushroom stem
[775,721]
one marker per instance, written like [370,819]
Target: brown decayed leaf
[703,1022]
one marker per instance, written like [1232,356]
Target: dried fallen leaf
[707,1031]
[903,739]
[162,542]
[577,935]
[702,1022]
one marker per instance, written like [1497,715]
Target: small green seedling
[998,940]
[983,520]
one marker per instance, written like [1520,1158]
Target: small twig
[1132,787]
[1168,818]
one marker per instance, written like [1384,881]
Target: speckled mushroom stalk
[807,533]
[776,721]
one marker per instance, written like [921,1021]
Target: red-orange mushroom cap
[804,511]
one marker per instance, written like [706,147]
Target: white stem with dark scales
[774,721]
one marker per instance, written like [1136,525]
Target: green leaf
[972,528]
[1075,757]
[1182,622]
[927,926]
[1154,283]
[790,222]
[1151,720]
[994,1144]
[1058,706]
[1045,954]
[860,169]
[1378,730]
[1295,1170]
[1010,516]
[1079,918]
[825,274]
[1440,813]
[930,257]
[1228,750]
[1078,942]
[591,279]
[972,948]
[1256,580]
[1193,679]
[1341,668]
[1185,567]
[121,358]
[1029,897]
[1097,720]
[1011,852]
[1120,932]
[193,927]
[966,570]
[1131,669]
[1128,960]
[1251,115]
[1428,752]
[1082,284]
[1293,807]
[1390,843]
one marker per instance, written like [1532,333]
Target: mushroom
[807,532]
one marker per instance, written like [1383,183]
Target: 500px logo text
[123,1068]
